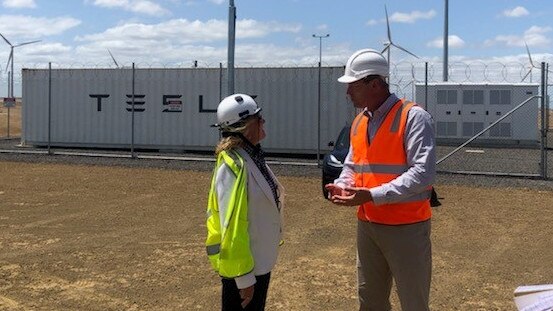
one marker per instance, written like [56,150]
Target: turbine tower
[10,59]
[390,43]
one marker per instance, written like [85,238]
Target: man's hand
[247,295]
[334,190]
[351,196]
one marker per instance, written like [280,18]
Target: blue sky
[269,32]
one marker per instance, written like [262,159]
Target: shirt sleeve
[346,176]
[421,159]
[224,181]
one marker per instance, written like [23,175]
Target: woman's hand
[247,295]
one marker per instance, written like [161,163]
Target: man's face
[357,92]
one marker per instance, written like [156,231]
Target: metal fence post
[319,118]
[426,86]
[543,129]
[49,107]
[220,81]
[10,94]
[133,155]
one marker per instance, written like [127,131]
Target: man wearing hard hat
[388,173]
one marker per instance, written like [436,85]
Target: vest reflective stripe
[228,248]
[379,168]
[380,161]
[397,118]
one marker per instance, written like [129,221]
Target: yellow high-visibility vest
[228,246]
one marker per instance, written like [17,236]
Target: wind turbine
[10,59]
[532,65]
[390,43]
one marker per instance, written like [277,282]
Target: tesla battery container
[173,108]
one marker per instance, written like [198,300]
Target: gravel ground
[500,160]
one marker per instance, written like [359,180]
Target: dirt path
[109,238]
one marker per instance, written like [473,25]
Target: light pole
[231,45]
[446,39]
[320,37]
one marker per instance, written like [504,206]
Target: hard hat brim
[348,79]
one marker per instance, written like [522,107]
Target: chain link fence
[501,128]
[519,144]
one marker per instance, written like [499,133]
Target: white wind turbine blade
[113,58]
[25,43]
[532,66]
[531,61]
[530,56]
[404,50]
[526,75]
[388,25]
[386,47]
[8,42]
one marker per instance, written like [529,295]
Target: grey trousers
[402,253]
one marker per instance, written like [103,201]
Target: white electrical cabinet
[461,111]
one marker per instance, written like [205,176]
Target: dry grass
[15,121]
[109,238]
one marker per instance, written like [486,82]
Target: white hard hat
[364,63]
[235,108]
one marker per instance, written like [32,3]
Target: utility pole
[231,41]
[446,38]
[320,37]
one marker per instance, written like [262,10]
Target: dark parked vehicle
[334,162]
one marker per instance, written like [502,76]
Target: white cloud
[533,36]
[249,28]
[184,31]
[218,1]
[411,17]
[452,41]
[372,22]
[19,4]
[519,11]
[322,27]
[137,6]
[34,27]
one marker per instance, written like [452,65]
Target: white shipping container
[174,108]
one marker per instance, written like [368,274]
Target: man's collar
[387,105]
[384,108]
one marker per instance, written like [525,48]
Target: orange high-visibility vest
[382,160]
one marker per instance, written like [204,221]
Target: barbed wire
[404,75]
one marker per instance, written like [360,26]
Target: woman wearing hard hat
[244,207]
